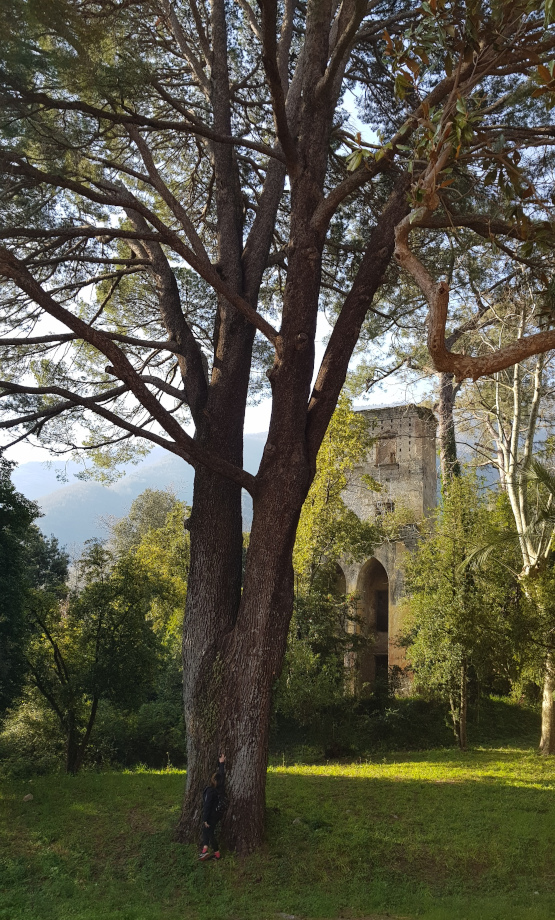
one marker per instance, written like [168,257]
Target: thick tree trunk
[214,583]
[547,742]
[446,429]
[213,595]
[228,697]
[233,649]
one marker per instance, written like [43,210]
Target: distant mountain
[74,511]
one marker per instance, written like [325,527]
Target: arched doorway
[373,593]
[340,582]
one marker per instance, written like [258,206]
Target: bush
[153,735]
[30,741]
[359,728]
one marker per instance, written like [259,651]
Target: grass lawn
[439,835]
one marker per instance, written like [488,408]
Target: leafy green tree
[148,512]
[315,678]
[460,621]
[532,540]
[323,629]
[16,533]
[96,645]
[46,562]
[508,415]
[328,530]
[163,554]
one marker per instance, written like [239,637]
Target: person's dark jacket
[211,797]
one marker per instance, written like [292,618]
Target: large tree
[175,194]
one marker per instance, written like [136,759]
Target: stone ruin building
[403,461]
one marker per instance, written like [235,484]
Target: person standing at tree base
[213,807]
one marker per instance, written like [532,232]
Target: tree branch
[174,205]
[334,366]
[192,126]
[191,359]
[177,30]
[120,196]
[10,388]
[437,296]
[346,34]
[183,445]
[268,10]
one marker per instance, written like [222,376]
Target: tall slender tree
[512,413]
[175,188]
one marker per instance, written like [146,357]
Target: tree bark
[449,463]
[82,747]
[228,689]
[547,741]
[214,582]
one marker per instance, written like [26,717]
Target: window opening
[382,610]
[381,663]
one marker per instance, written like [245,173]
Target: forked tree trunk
[80,756]
[228,683]
[213,590]
[233,650]
[76,745]
[547,741]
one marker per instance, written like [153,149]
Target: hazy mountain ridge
[75,511]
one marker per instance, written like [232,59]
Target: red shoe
[205,854]
[217,855]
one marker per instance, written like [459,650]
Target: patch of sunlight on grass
[151,771]
[511,767]
[438,835]
[85,808]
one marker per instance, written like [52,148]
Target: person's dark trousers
[208,837]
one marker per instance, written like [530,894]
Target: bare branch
[437,296]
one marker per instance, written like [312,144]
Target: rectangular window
[386,451]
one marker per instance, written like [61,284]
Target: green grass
[440,835]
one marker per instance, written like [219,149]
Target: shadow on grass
[436,836]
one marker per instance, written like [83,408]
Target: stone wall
[403,461]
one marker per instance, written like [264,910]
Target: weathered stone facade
[403,460]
